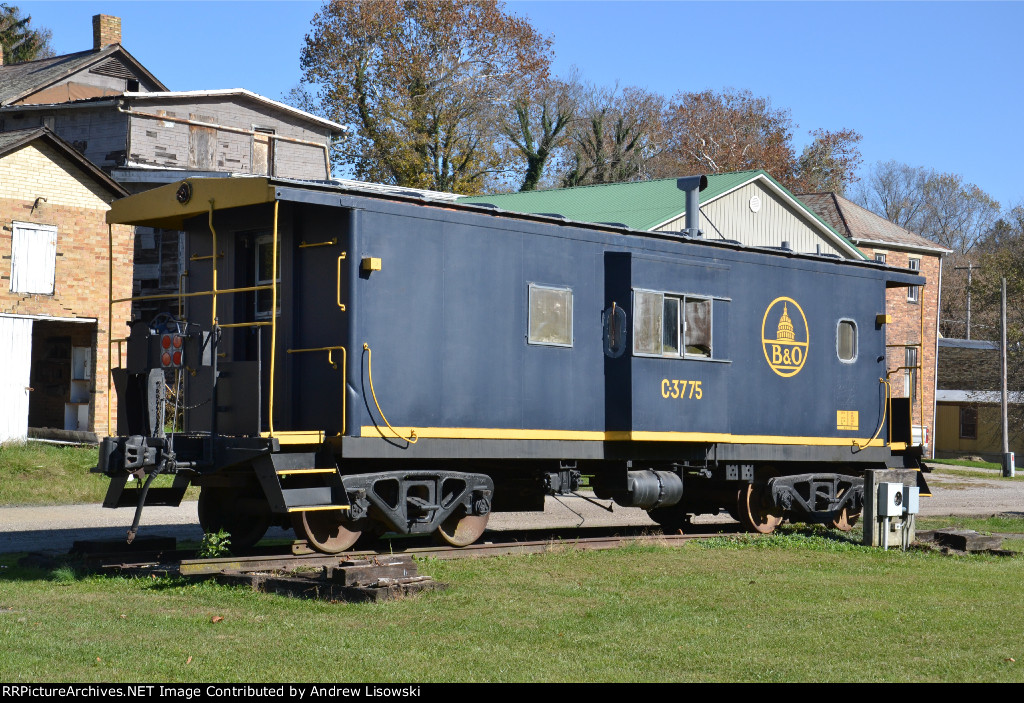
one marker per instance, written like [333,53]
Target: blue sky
[934,84]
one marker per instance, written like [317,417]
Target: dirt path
[55,528]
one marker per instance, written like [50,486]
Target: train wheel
[243,513]
[461,530]
[327,531]
[753,513]
[845,520]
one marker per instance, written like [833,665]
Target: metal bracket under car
[818,496]
[417,502]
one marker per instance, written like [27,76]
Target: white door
[15,364]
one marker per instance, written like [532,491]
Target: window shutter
[33,258]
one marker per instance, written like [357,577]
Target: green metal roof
[642,205]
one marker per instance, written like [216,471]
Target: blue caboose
[350,359]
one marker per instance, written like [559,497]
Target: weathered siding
[776,221]
[174,144]
[99,133]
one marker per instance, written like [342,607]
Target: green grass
[995,523]
[36,473]
[793,607]
[964,462]
[967,473]
[48,474]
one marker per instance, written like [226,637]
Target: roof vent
[693,185]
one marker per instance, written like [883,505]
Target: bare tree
[896,192]
[829,163]
[732,130]
[617,135]
[538,123]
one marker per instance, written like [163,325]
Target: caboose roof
[161,207]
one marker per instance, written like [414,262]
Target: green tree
[420,84]
[20,41]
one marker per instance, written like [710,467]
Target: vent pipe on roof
[693,185]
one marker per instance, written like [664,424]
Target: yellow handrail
[245,324]
[340,259]
[273,321]
[412,438]
[330,242]
[168,296]
[344,375]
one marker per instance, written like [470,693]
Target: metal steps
[300,481]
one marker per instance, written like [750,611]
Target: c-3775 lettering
[676,388]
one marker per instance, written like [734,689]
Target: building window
[846,341]
[264,265]
[263,152]
[910,374]
[668,325]
[880,257]
[968,423]
[914,292]
[33,258]
[550,320]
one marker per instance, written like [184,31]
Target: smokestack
[693,185]
[106,30]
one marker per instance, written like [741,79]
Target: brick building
[54,325]
[913,333]
[123,119]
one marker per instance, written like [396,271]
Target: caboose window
[648,316]
[550,316]
[846,341]
[697,327]
[669,325]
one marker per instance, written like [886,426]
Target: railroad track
[296,556]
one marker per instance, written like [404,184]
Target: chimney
[106,30]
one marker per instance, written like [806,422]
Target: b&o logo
[784,337]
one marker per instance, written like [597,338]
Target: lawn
[36,473]
[793,607]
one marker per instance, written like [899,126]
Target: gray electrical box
[890,499]
[912,500]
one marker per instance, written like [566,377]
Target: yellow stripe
[725,438]
[289,472]
[304,437]
[311,508]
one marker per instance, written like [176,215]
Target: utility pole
[970,269]
[1008,467]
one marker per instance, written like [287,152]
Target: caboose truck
[350,360]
